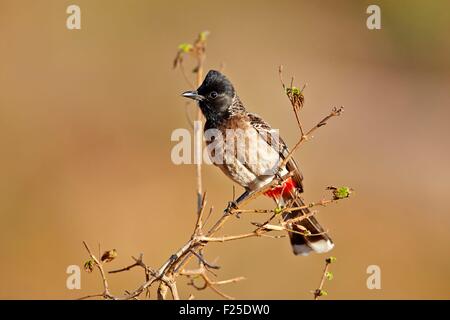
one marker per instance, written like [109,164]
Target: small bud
[331,260]
[321,293]
[109,256]
[329,275]
[203,35]
[278,210]
[89,266]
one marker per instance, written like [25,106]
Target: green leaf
[293,91]
[185,47]
[342,192]
[89,266]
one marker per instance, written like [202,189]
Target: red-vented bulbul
[224,112]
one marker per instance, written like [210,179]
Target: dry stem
[166,276]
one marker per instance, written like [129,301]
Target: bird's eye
[213,95]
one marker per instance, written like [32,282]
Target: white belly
[246,158]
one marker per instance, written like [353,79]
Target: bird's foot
[232,205]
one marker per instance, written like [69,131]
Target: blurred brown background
[86,118]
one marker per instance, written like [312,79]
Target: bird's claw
[231,206]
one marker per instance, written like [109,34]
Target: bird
[224,113]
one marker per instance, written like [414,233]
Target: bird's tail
[309,235]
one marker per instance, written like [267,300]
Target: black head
[215,95]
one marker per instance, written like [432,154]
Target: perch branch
[166,276]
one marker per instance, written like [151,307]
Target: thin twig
[200,48]
[334,113]
[198,223]
[319,291]
[207,282]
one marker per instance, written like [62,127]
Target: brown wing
[263,127]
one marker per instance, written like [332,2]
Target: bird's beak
[193,95]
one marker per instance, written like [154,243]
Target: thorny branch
[165,278]
[174,267]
